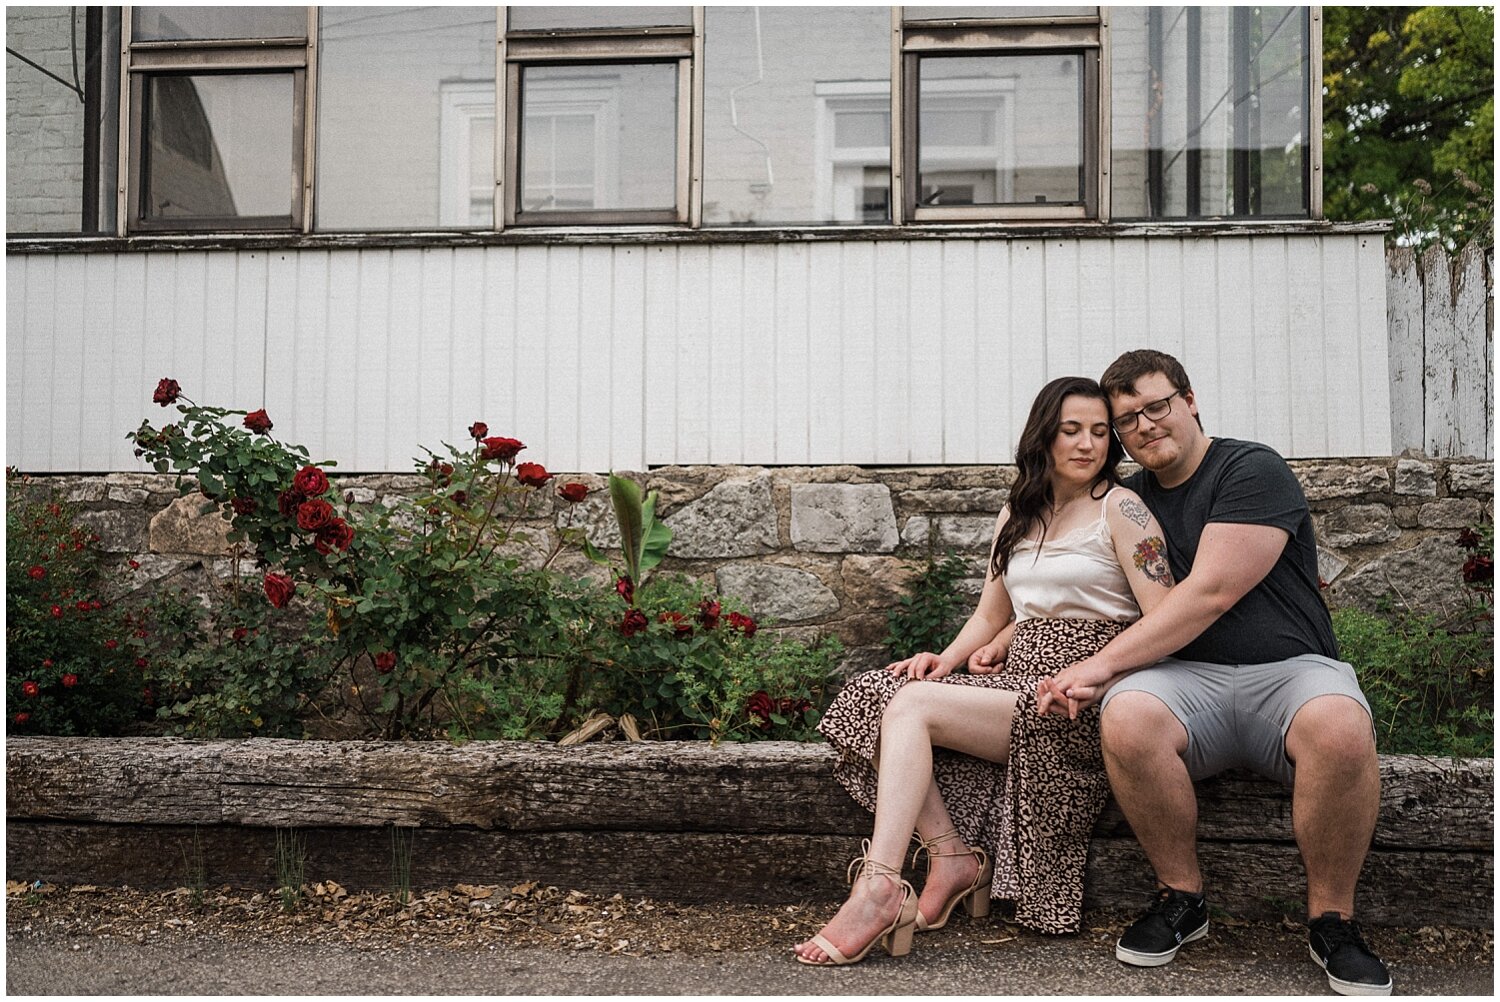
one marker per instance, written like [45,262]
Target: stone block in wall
[858,660]
[963,532]
[863,630]
[1357,525]
[974,499]
[1323,481]
[1424,578]
[1449,513]
[122,530]
[529,545]
[734,519]
[1330,565]
[182,527]
[778,592]
[843,518]
[916,531]
[1477,478]
[877,582]
[1415,477]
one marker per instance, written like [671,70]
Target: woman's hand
[920,666]
[990,659]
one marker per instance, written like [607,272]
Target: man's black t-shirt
[1245,482]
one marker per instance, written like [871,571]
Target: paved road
[84,965]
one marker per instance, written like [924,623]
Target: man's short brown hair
[1122,373]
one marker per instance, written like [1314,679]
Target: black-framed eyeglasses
[1155,410]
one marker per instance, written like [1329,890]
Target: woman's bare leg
[969,719]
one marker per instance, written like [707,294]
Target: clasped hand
[1072,690]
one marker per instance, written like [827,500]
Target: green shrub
[1430,688]
[74,660]
[930,616]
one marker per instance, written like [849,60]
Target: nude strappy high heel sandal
[976,897]
[894,938]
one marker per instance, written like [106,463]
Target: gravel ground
[528,939]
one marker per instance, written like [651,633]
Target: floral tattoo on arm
[1151,560]
[1135,511]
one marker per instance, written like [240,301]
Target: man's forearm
[1180,618]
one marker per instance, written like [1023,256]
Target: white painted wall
[599,357]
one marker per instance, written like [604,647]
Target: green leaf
[625,495]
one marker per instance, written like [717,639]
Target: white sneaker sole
[1137,959]
[1348,987]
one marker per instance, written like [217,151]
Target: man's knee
[1334,731]
[1138,724]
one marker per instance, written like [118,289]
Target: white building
[635,236]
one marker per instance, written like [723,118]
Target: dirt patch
[532,915]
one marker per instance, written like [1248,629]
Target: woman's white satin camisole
[1075,576]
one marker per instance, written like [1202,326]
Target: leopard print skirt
[1033,814]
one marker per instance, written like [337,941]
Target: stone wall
[831,548]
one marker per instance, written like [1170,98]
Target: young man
[1237,666]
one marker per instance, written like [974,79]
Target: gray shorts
[1237,716]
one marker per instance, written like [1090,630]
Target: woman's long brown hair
[1031,496]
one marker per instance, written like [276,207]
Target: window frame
[916,38]
[674,44]
[141,60]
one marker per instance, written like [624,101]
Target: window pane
[599,137]
[542,18]
[154,24]
[1000,129]
[218,145]
[406,117]
[1209,110]
[959,13]
[796,118]
[43,123]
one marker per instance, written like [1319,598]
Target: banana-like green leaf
[658,538]
[626,497]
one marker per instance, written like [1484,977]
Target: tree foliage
[1409,120]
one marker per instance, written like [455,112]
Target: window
[216,125]
[597,115]
[1000,114]
[1211,112]
[363,119]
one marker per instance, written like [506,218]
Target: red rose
[37,572]
[244,506]
[679,623]
[1468,539]
[336,535]
[478,430]
[30,688]
[258,422]
[532,475]
[57,612]
[81,606]
[625,588]
[635,621]
[167,392]
[279,589]
[310,481]
[708,614]
[573,493]
[385,661]
[146,695]
[503,449]
[743,623]
[142,663]
[239,634]
[21,718]
[288,501]
[46,662]
[314,514]
[1479,569]
[460,498]
[111,644]
[441,471]
[69,680]
[135,565]
[761,705]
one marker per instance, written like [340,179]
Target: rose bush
[75,661]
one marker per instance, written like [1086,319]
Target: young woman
[1002,799]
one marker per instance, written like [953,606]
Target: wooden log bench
[685,821]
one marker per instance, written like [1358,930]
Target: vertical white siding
[599,357]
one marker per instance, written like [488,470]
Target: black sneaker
[1339,948]
[1174,918]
